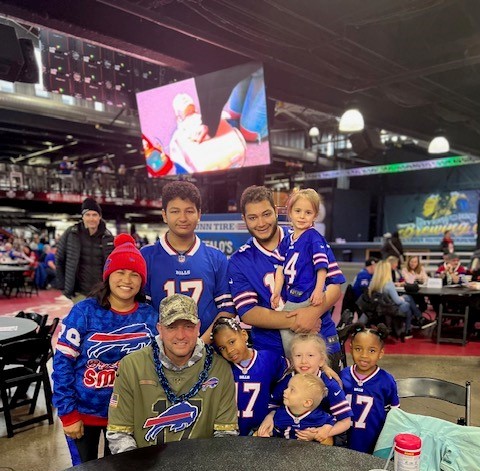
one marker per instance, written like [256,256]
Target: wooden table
[14,328]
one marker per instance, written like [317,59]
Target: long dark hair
[101,291]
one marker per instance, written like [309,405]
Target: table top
[453,290]
[12,328]
[12,268]
[239,454]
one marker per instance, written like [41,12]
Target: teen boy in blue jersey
[251,272]
[179,262]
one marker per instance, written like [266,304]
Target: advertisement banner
[423,218]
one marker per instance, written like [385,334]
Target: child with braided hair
[370,390]
[255,372]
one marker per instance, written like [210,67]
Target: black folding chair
[438,389]
[22,363]
[40,319]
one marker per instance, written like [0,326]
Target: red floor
[45,303]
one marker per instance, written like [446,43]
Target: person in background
[82,252]
[97,333]
[392,246]
[65,167]
[251,271]
[397,277]
[451,270]
[382,283]
[181,263]
[34,244]
[413,272]
[177,375]
[370,390]
[50,267]
[364,276]
[256,372]
[31,257]
[446,245]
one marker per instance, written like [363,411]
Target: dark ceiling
[412,66]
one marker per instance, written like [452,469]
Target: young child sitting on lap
[300,409]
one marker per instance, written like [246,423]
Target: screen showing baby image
[216,121]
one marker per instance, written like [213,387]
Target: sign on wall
[423,218]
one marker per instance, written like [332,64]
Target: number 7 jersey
[200,273]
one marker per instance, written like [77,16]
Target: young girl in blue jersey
[308,354]
[255,372]
[97,333]
[303,259]
[370,390]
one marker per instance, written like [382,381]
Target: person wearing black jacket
[392,246]
[82,251]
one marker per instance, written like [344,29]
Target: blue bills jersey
[200,273]
[301,259]
[91,343]
[251,272]
[254,383]
[371,398]
[285,424]
[335,403]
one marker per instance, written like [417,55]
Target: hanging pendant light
[439,144]
[351,121]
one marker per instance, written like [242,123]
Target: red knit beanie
[125,256]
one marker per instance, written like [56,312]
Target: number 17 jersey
[200,273]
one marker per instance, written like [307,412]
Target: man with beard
[251,273]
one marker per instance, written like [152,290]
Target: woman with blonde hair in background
[382,283]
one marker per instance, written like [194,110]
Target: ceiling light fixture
[351,121]
[314,131]
[439,144]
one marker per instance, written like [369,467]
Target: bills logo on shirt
[177,417]
[127,339]
[210,383]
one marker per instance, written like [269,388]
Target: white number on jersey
[72,335]
[254,388]
[289,268]
[367,401]
[192,288]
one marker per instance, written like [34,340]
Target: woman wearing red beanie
[97,333]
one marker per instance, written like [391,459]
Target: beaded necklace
[173,399]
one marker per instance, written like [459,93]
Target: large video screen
[213,122]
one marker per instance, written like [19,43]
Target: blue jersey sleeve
[335,403]
[68,348]
[222,296]
[243,292]
[319,252]
[146,252]
[334,273]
